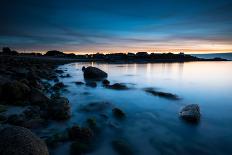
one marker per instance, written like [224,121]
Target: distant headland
[139,57]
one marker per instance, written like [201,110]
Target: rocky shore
[33,85]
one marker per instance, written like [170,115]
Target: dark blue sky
[117,26]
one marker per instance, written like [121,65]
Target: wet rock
[117,86]
[15,91]
[56,138]
[59,108]
[118,113]
[32,112]
[191,113]
[15,119]
[105,82]
[95,106]
[92,123]
[161,94]
[81,134]
[38,98]
[79,148]
[121,147]
[94,73]
[21,141]
[34,123]
[79,83]
[59,71]
[58,86]
[91,84]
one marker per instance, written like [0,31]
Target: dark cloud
[78,24]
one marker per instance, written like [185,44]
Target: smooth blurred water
[152,125]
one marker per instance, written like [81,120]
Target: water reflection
[152,125]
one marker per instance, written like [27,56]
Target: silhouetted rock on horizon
[191,113]
[54,53]
[16,140]
[8,51]
[94,73]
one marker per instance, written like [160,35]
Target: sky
[106,26]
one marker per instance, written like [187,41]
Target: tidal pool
[152,124]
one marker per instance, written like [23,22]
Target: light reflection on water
[152,125]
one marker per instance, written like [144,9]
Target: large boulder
[59,108]
[191,113]
[21,141]
[15,91]
[94,73]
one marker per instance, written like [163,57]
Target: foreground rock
[118,113]
[21,141]
[122,148]
[191,113]
[169,96]
[94,73]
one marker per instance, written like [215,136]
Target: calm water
[152,125]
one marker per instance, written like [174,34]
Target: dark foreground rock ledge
[16,140]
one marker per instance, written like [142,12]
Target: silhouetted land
[140,57]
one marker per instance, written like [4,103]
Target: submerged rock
[79,148]
[21,141]
[93,73]
[162,94]
[81,134]
[122,148]
[118,113]
[91,84]
[59,108]
[191,113]
[79,83]
[117,86]
[95,106]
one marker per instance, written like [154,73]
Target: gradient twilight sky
[89,26]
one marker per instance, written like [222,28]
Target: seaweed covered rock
[191,113]
[21,141]
[94,73]
[59,108]
[15,91]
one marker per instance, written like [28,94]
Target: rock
[94,73]
[32,112]
[191,113]
[79,148]
[3,108]
[59,71]
[117,86]
[38,98]
[83,68]
[58,86]
[15,91]
[105,82]
[122,148]
[95,106]
[59,108]
[91,84]
[15,119]
[34,123]
[118,113]
[21,141]
[161,94]
[91,122]
[56,138]
[82,134]
[79,83]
